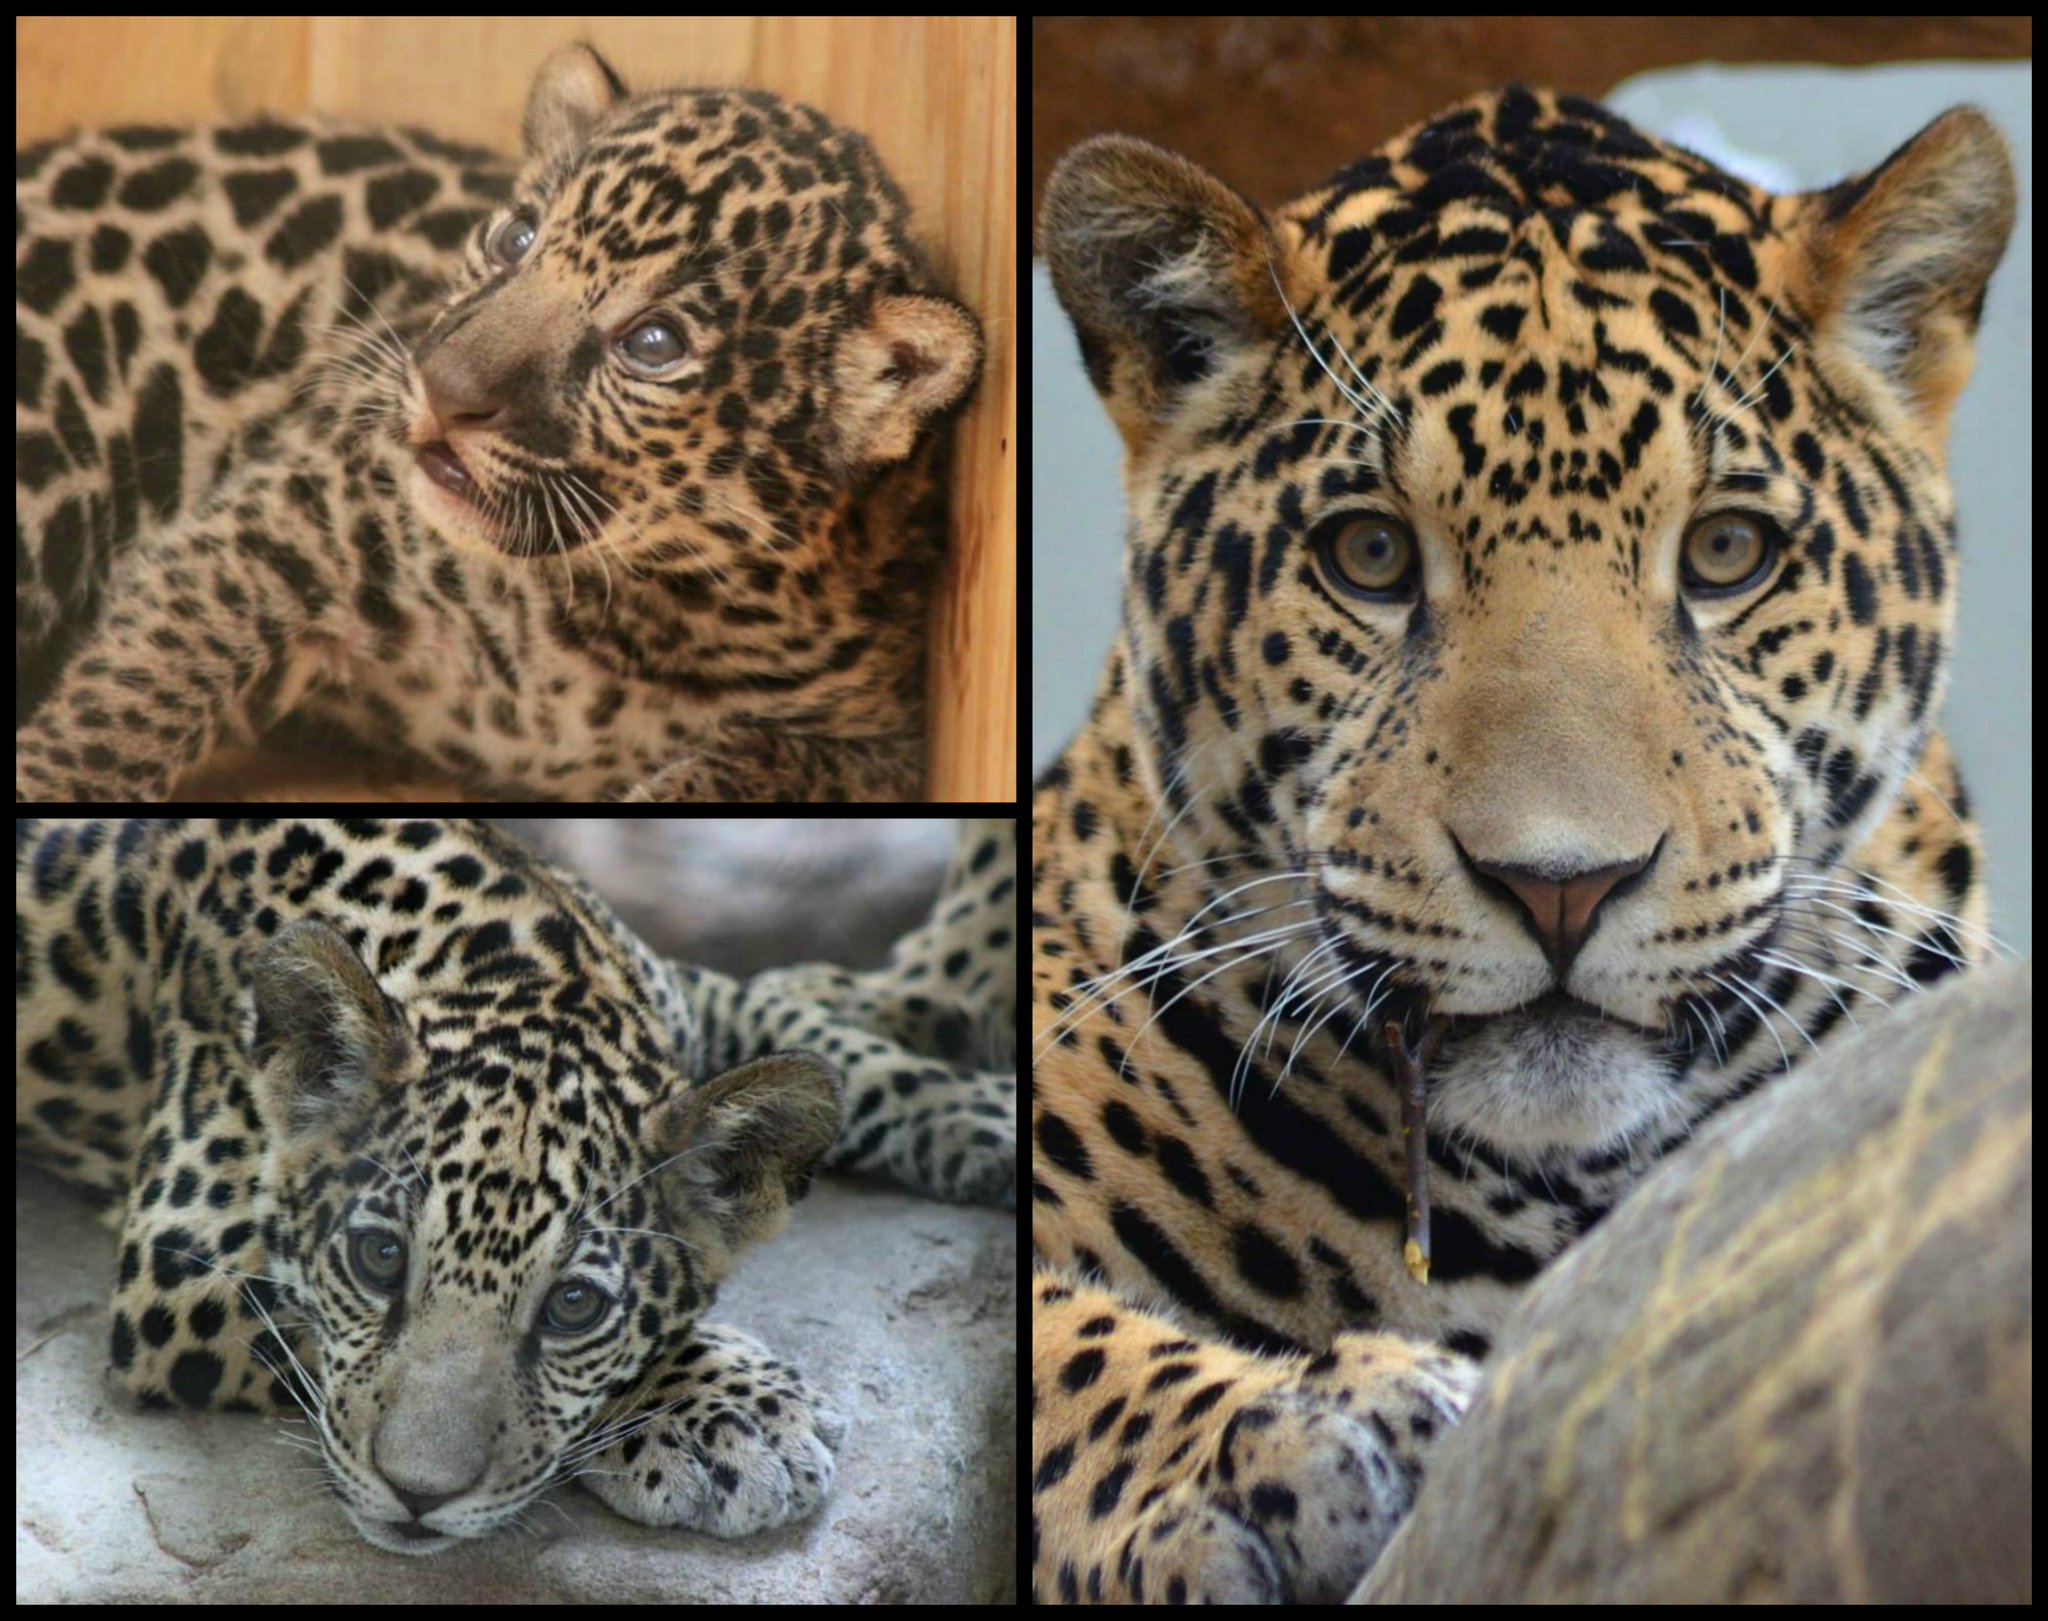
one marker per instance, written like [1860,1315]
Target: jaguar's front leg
[210,628]
[755,763]
[728,1439]
[718,1435]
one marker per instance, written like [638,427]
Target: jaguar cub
[609,475]
[404,1128]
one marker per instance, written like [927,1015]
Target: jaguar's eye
[1729,552]
[575,1305]
[1366,554]
[654,346]
[511,239]
[378,1259]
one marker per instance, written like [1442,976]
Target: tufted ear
[327,1038]
[913,357]
[1898,260]
[572,93]
[1162,268]
[742,1145]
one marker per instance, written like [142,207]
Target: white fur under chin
[1530,1083]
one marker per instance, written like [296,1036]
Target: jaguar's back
[174,293]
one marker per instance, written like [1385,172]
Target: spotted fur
[1539,595]
[401,1127]
[606,472]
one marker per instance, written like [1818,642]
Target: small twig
[1410,1064]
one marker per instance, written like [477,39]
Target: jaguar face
[481,1245]
[665,341]
[1539,566]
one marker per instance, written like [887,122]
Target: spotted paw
[1304,1484]
[732,1441]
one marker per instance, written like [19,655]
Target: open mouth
[456,505]
[517,519]
[440,463]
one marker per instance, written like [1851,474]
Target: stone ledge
[902,1308]
[1794,1366]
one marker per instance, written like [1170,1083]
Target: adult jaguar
[408,1130]
[603,474]
[1539,591]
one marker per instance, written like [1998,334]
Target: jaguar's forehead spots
[695,180]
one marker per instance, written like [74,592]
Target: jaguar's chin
[450,498]
[401,1536]
[1554,1075]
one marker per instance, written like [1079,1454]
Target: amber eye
[511,239]
[1727,552]
[1366,554]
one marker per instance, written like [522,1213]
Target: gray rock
[1794,1366]
[902,1308]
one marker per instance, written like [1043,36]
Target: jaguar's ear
[572,94]
[1897,260]
[741,1146]
[327,1039]
[913,357]
[1162,268]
